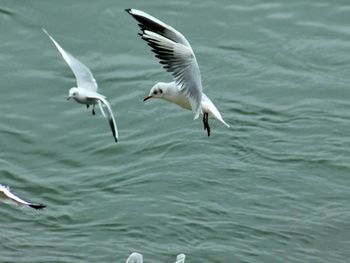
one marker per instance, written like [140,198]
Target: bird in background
[177,57]
[5,192]
[86,90]
[135,258]
[138,258]
[180,258]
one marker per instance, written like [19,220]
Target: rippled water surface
[272,188]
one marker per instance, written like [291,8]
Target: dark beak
[146,98]
[69,97]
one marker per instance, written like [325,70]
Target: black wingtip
[128,10]
[37,206]
[111,124]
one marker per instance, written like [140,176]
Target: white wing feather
[176,55]
[7,192]
[83,75]
[111,119]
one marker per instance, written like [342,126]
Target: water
[272,188]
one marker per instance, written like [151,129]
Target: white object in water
[135,258]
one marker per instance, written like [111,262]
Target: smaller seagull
[86,90]
[135,258]
[180,258]
[138,258]
[177,57]
[6,192]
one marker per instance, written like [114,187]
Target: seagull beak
[147,97]
[69,97]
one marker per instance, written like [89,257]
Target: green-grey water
[272,188]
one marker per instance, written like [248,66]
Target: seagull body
[177,57]
[6,192]
[171,92]
[86,90]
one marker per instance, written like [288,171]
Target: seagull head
[157,91]
[73,93]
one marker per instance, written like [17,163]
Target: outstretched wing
[7,193]
[175,54]
[83,75]
[111,119]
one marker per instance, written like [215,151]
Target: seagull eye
[155,92]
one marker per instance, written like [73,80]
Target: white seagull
[177,57]
[86,90]
[135,258]
[138,258]
[6,192]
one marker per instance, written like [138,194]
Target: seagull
[6,192]
[138,258]
[86,90]
[180,258]
[135,258]
[177,57]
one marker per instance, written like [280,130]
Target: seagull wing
[111,119]
[83,75]
[150,23]
[135,258]
[175,54]
[7,192]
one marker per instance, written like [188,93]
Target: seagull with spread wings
[177,57]
[86,90]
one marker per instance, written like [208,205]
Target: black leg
[206,123]
[208,127]
[87,106]
[93,109]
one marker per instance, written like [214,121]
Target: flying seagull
[7,193]
[177,57]
[86,90]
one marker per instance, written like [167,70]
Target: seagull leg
[206,123]
[93,109]
[87,106]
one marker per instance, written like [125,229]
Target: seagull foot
[206,123]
